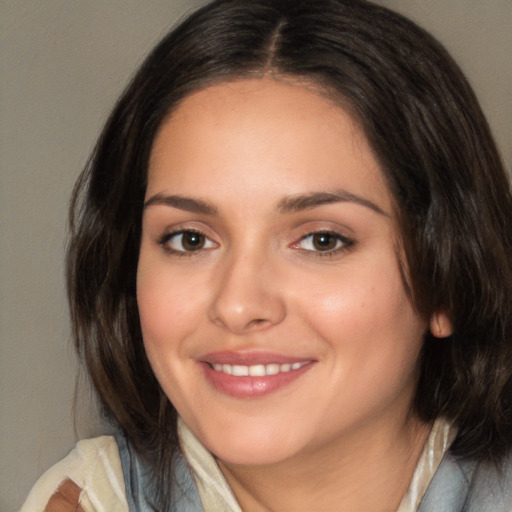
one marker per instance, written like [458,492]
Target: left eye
[323,242]
[187,241]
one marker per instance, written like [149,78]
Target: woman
[290,274]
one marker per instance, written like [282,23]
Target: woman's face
[270,294]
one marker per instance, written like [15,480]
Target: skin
[248,149]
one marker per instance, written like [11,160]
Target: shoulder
[91,476]
[470,486]
[491,487]
[139,484]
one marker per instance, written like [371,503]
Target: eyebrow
[287,205]
[315,199]
[182,203]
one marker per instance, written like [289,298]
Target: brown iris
[192,241]
[324,241]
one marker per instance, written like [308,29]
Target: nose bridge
[246,297]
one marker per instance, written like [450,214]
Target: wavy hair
[436,152]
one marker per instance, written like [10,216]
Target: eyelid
[343,242]
[346,243]
[165,239]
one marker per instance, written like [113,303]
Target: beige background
[62,65]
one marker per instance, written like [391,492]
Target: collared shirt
[216,494]
[110,477]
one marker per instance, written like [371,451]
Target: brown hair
[434,146]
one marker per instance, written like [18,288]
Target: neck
[369,471]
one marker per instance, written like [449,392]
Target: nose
[247,297]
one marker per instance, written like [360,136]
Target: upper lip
[249,358]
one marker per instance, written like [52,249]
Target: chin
[253,456]
[252,447]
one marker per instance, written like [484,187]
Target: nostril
[258,321]
[245,308]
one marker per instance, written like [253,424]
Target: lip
[251,386]
[249,358]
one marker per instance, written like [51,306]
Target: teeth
[272,369]
[257,370]
[239,371]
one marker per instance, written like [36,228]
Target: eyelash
[165,240]
[342,244]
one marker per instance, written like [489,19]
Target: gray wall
[62,65]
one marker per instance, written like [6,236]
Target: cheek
[367,315]
[165,302]
[163,311]
[373,338]
[155,310]
[349,300]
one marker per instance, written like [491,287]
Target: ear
[441,325]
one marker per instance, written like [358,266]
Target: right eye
[186,241]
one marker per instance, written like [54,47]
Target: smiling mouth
[257,370]
[252,375]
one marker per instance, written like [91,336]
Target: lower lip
[251,387]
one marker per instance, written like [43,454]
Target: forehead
[277,136]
